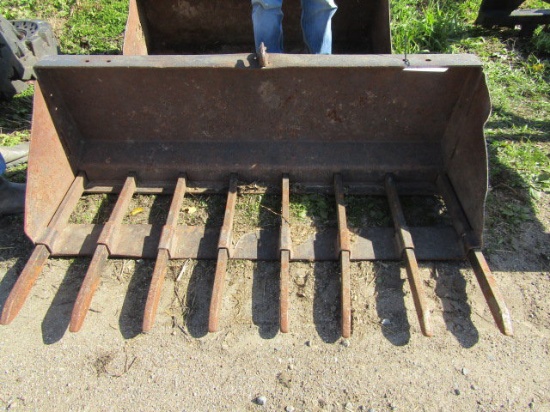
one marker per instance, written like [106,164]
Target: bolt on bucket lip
[278,60]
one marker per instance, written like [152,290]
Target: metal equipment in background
[508,14]
[22,44]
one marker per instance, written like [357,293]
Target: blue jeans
[267,18]
[2,165]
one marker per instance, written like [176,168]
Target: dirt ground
[387,365]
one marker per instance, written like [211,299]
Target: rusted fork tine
[485,278]
[224,246]
[285,249]
[101,254]
[163,256]
[41,253]
[491,291]
[407,249]
[344,247]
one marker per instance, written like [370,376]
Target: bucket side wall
[466,151]
[135,35]
[49,170]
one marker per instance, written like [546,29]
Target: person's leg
[267,18]
[316,25]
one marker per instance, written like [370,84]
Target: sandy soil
[387,364]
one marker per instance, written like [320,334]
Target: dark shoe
[12,197]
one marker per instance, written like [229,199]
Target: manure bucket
[341,125]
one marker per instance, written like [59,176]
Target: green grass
[367,211]
[521,165]
[105,36]
[420,28]
[257,211]
[92,209]
[541,40]
[434,26]
[81,26]
[17,174]
[314,208]
[15,118]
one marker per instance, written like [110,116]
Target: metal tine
[163,256]
[407,249]
[491,291]
[101,254]
[285,249]
[224,246]
[344,247]
[485,278]
[41,253]
[284,322]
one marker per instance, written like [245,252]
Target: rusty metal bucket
[347,124]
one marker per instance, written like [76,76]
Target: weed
[105,36]
[14,138]
[315,208]
[257,211]
[367,211]
[425,211]
[529,162]
[310,213]
[15,116]
[93,208]
[541,40]
[427,26]
[17,174]
[515,214]
[506,216]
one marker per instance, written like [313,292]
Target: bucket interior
[208,117]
